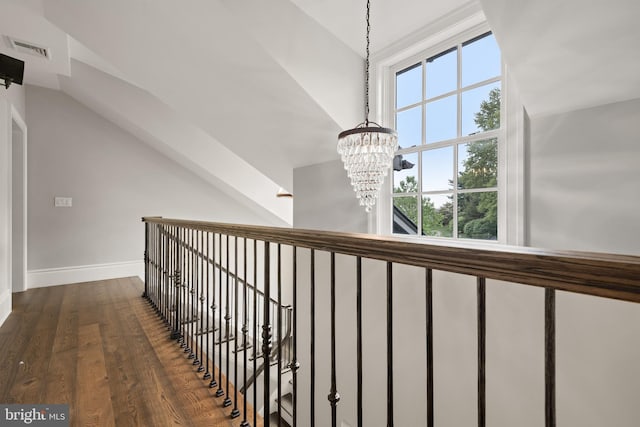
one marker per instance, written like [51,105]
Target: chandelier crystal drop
[368,149]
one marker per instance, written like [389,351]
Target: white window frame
[460,26]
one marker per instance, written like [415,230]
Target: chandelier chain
[366,75]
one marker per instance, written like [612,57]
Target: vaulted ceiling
[244,91]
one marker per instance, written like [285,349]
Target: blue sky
[480,61]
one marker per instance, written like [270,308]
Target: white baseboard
[5,305]
[83,273]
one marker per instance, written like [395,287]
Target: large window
[447,114]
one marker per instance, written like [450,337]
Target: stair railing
[178,279]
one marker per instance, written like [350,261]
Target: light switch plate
[63,202]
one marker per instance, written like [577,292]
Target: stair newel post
[235,412]
[334,396]
[266,332]
[227,323]
[245,330]
[294,361]
[205,312]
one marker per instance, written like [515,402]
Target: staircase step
[224,340]
[273,420]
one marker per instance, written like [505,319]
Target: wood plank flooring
[100,348]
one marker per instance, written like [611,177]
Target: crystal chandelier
[368,149]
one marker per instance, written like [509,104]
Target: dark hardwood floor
[100,348]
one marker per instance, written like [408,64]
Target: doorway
[18,202]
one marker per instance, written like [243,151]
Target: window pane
[481,109]
[442,73]
[409,86]
[405,215]
[442,116]
[437,215]
[437,169]
[478,164]
[480,60]
[409,127]
[405,177]
[478,215]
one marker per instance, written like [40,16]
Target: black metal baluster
[145,294]
[294,362]
[255,332]
[165,275]
[245,330]
[201,288]
[550,356]
[359,335]
[169,275]
[220,391]
[152,266]
[482,335]
[171,271]
[213,307]
[190,320]
[176,333]
[184,257]
[162,273]
[279,322]
[169,267]
[194,298]
[312,367]
[227,322]
[333,397]
[266,332]
[207,372]
[429,331]
[236,412]
[389,344]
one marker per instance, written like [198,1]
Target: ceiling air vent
[30,48]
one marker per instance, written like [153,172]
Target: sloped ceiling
[273,82]
[569,54]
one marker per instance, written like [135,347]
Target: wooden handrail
[598,274]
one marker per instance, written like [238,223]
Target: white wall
[14,96]
[325,200]
[583,195]
[114,180]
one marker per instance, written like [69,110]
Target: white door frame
[18,121]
